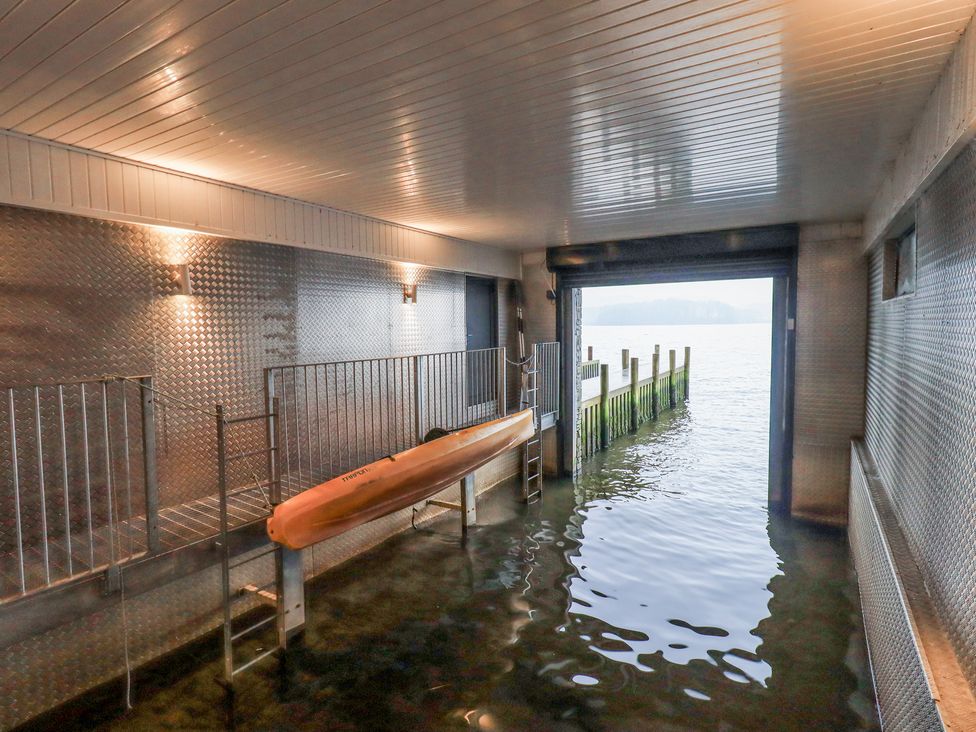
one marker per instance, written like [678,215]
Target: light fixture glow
[182,278]
[409,293]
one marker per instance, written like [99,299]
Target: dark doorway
[481,327]
[480,313]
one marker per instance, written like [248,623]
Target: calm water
[654,594]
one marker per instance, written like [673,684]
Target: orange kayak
[394,482]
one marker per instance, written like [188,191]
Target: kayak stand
[467,507]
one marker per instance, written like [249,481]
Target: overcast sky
[741,293]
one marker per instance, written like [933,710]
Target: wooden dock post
[655,376]
[604,406]
[634,394]
[687,371]
[672,384]
[589,353]
[625,359]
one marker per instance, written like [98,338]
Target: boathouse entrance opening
[764,252]
[678,375]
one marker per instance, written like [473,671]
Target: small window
[900,265]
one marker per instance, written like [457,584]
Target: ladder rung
[251,628]
[266,552]
[532,495]
[253,418]
[261,592]
[535,459]
[249,453]
[259,657]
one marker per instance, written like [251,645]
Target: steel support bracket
[112,581]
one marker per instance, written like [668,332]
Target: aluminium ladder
[532,449]
[286,592]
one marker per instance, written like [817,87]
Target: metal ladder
[532,449]
[286,592]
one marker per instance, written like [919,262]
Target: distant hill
[675,312]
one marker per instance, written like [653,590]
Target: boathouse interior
[248,246]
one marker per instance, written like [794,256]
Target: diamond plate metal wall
[921,400]
[83,297]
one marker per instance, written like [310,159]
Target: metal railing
[77,462]
[335,417]
[590,369]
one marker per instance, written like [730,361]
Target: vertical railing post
[15,477]
[501,382]
[554,367]
[624,359]
[634,394]
[274,440]
[418,398]
[270,429]
[655,377]
[111,574]
[228,642]
[604,406]
[469,502]
[687,371]
[150,476]
[672,384]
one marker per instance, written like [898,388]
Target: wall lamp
[409,293]
[182,278]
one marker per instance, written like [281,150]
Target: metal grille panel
[904,697]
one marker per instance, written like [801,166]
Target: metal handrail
[339,415]
[80,459]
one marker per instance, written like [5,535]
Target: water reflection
[655,593]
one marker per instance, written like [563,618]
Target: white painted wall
[40,174]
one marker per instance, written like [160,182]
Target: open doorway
[718,428]
[768,253]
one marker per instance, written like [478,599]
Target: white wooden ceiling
[503,121]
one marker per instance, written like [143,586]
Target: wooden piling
[687,371]
[604,406]
[589,353]
[672,383]
[634,394]
[655,376]
[625,359]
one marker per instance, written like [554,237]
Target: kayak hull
[393,483]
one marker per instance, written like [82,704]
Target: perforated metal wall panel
[85,297]
[921,400]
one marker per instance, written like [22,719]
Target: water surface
[655,593]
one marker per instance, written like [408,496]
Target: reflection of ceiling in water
[519,122]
